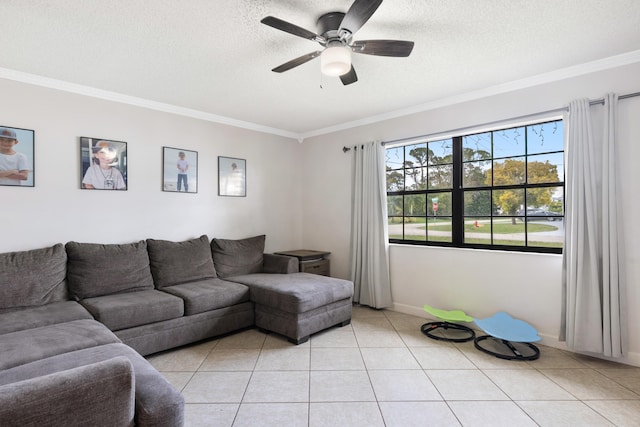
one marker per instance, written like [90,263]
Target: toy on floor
[467,334]
[508,338]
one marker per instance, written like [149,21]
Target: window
[502,189]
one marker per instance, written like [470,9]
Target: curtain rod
[555,110]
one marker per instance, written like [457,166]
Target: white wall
[481,282]
[57,210]
[298,195]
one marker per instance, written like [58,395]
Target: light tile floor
[382,371]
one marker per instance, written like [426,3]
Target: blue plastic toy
[511,338]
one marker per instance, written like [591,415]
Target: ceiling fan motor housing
[328,25]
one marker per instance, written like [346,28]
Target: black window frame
[457,193]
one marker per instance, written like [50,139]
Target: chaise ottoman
[297,305]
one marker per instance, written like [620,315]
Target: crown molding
[50,83]
[561,74]
[552,76]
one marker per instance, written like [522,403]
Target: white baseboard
[632,358]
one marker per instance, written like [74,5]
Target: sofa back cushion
[173,263]
[33,278]
[95,270]
[238,257]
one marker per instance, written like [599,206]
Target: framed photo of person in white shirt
[103,164]
[179,170]
[16,157]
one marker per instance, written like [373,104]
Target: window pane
[416,155]
[416,179]
[477,231]
[545,137]
[395,180]
[545,201]
[476,147]
[415,204]
[439,229]
[441,176]
[556,207]
[545,234]
[394,158]
[508,202]
[508,232]
[439,204]
[441,152]
[394,206]
[477,174]
[396,228]
[415,229]
[477,203]
[509,143]
[545,168]
[509,171]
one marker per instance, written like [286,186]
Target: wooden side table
[315,262]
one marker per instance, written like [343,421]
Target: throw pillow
[95,270]
[238,257]
[173,263]
[33,278]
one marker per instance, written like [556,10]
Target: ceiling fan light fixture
[335,61]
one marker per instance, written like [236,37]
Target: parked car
[538,214]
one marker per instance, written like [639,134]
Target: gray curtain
[369,229]
[593,288]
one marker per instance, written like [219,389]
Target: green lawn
[498,228]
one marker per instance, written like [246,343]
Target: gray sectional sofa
[77,319]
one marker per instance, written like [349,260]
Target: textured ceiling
[214,56]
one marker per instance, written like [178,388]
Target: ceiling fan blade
[349,77]
[295,62]
[397,48]
[290,28]
[359,13]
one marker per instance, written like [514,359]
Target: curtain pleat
[369,229]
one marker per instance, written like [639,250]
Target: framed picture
[179,170]
[17,157]
[232,177]
[103,164]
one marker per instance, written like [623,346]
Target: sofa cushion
[33,278]
[237,257]
[126,310]
[295,292]
[209,294]
[97,394]
[173,263]
[157,402]
[35,317]
[18,348]
[95,270]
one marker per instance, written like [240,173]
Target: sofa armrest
[100,394]
[280,264]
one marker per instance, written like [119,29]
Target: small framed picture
[232,177]
[179,170]
[16,157]
[103,164]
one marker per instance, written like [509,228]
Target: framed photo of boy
[103,164]
[232,177]
[179,170]
[16,157]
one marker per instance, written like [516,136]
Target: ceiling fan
[335,34]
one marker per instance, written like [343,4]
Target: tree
[514,172]
[395,180]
